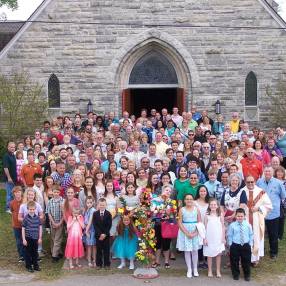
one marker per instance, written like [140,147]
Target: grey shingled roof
[8,30]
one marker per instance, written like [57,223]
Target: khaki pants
[56,240]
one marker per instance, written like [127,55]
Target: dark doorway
[134,99]
[157,98]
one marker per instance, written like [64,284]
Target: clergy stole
[252,202]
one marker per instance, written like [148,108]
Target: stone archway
[161,42]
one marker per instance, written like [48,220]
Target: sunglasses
[250,182]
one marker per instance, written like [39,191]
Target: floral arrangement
[124,208]
[170,210]
[145,229]
[166,209]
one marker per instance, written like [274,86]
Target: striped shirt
[64,181]
[54,209]
[31,225]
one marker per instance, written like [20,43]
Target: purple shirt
[24,211]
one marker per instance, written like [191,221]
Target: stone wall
[86,57]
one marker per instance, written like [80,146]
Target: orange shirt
[251,167]
[14,207]
[28,171]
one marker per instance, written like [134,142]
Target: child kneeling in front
[31,236]
[125,244]
[240,240]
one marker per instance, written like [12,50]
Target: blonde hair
[25,196]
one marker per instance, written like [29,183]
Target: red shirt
[14,207]
[28,171]
[251,167]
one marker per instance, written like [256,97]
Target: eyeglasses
[250,182]
[193,178]
[191,134]
[206,147]
[145,162]
[213,138]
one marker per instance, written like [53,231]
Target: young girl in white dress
[214,243]
[188,240]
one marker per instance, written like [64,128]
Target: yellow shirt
[234,126]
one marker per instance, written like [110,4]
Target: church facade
[128,55]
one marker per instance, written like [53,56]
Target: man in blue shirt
[276,192]
[240,240]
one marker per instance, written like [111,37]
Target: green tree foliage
[277,104]
[13,4]
[23,106]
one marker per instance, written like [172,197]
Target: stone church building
[126,55]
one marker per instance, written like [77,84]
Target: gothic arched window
[153,68]
[54,95]
[251,90]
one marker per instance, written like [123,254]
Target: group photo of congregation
[217,189]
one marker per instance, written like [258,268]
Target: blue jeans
[9,196]
[19,242]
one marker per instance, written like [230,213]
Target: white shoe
[131,266]
[196,274]
[122,265]
[189,274]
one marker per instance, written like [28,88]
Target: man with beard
[63,155]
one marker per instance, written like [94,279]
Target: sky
[27,7]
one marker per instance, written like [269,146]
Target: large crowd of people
[226,182]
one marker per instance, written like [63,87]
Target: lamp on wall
[89,106]
[217,107]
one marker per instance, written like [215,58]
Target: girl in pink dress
[74,246]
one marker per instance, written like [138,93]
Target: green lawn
[9,255]
[267,271]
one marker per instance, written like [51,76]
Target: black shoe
[247,278]
[37,268]
[235,277]
[55,259]
[39,259]
[60,256]
[30,269]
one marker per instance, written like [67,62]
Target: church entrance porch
[135,99]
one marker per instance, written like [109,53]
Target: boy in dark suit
[102,221]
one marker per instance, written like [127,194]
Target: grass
[267,272]
[9,255]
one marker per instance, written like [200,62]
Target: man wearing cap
[251,166]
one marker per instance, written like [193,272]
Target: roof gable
[12,40]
